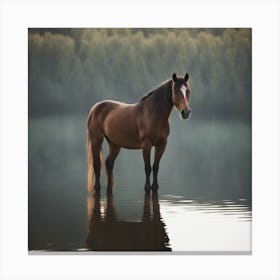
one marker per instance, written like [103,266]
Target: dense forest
[71,69]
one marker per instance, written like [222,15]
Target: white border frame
[17,16]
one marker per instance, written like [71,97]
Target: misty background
[71,69]
[208,158]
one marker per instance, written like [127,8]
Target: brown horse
[135,126]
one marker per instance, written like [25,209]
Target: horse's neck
[161,101]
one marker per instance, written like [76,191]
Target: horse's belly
[123,138]
[121,129]
[127,143]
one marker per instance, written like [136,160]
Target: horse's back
[105,106]
[100,110]
[117,121]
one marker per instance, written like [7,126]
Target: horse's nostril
[185,113]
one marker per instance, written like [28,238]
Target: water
[203,204]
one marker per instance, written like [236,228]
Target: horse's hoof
[109,189]
[155,192]
[155,188]
[147,188]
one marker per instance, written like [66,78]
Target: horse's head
[181,95]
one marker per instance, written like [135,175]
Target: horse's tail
[101,160]
[90,163]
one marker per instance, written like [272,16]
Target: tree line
[71,69]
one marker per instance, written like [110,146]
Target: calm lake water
[203,204]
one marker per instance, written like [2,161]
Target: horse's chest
[158,132]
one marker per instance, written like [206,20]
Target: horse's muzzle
[186,113]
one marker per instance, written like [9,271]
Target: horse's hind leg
[113,153]
[97,161]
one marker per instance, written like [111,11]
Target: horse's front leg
[146,147]
[158,153]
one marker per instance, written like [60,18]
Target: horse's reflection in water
[107,233]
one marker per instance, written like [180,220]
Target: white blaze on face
[184,90]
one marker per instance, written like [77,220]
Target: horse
[134,126]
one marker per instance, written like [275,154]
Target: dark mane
[165,83]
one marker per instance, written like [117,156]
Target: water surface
[203,204]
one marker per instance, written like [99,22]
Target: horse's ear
[174,77]
[186,77]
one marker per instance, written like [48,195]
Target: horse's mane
[155,89]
